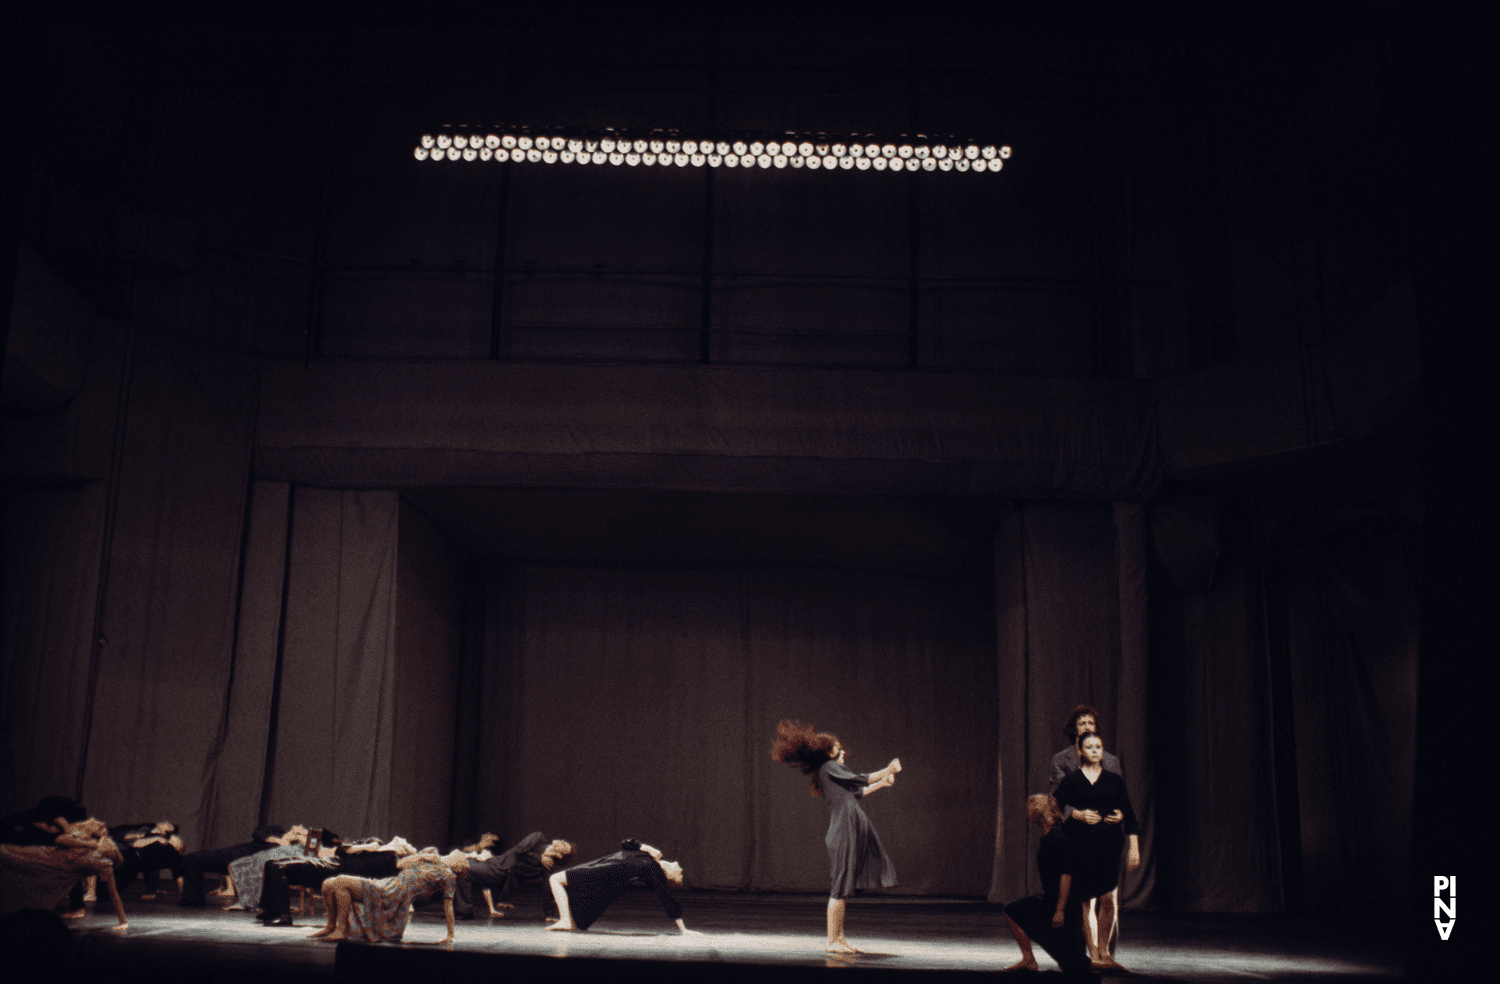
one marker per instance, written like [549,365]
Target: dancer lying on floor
[39,876]
[369,910]
[856,860]
[584,891]
[217,861]
[247,874]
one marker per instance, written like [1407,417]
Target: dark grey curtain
[642,703]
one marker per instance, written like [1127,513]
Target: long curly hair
[803,747]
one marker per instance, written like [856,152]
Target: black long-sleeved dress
[856,861]
[594,885]
[1096,846]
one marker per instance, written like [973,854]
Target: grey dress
[856,861]
[249,872]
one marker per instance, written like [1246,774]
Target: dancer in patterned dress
[38,876]
[377,910]
[855,858]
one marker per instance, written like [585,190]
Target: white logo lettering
[1441,908]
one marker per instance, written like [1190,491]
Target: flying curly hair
[802,747]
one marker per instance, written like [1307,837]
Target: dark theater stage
[746,936]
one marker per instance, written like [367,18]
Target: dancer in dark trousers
[216,861]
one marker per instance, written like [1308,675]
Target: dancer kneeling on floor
[584,891]
[368,910]
[1054,919]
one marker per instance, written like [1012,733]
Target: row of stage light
[797,151]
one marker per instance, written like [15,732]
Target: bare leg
[1100,957]
[1028,959]
[559,883]
[836,941]
[330,909]
[91,888]
[346,888]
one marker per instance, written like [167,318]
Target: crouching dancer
[1053,919]
[584,891]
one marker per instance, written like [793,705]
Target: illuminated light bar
[755,152]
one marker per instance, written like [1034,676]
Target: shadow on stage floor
[759,937]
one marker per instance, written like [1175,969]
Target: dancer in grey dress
[856,860]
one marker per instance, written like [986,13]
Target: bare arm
[884,781]
[448,917]
[889,770]
[107,876]
[1133,853]
[1063,887]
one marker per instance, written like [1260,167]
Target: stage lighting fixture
[666,148]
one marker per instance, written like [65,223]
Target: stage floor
[924,937]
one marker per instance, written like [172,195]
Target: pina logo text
[1444,885]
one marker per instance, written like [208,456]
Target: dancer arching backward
[1100,807]
[375,910]
[855,858]
[584,891]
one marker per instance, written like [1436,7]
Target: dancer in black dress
[1101,808]
[1053,919]
[584,891]
[856,860]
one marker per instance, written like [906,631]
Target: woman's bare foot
[75,914]
[565,926]
[234,908]
[149,898]
[840,945]
[1025,963]
[319,934]
[1105,961]
[337,934]
[496,914]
